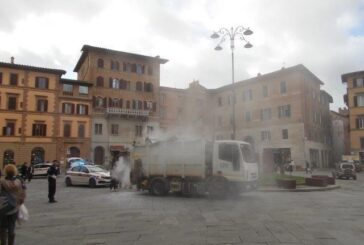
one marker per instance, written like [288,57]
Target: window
[126,67]
[9,129]
[13,79]
[39,129]
[139,86]
[83,90]
[358,82]
[100,63]
[82,109]
[99,102]
[138,131]
[1,78]
[265,90]
[67,89]
[68,108]
[229,153]
[148,87]
[42,105]
[128,104]
[114,129]
[67,130]
[115,83]
[81,131]
[12,103]
[100,82]
[283,87]
[98,129]
[362,143]
[284,111]
[248,95]
[41,82]
[139,69]
[265,135]
[360,122]
[285,134]
[133,68]
[114,102]
[248,116]
[359,100]
[114,65]
[265,114]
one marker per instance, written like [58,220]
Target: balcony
[128,112]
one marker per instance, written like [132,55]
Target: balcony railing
[129,112]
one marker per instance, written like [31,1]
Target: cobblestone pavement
[98,216]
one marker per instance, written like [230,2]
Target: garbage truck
[218,167]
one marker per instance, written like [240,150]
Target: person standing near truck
[52,176]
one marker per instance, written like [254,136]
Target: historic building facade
[340,134]
[354,99]
[28,113]
[125,99]
[284,115]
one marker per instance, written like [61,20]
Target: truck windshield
[248,154]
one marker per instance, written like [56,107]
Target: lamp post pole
[224,33]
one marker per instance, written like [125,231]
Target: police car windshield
[94,169]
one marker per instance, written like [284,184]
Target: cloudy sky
[326,36]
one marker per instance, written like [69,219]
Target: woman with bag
[12,192]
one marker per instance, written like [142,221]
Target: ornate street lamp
[224,33]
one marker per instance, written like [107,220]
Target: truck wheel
[92,183]
[217,187]
[158,188]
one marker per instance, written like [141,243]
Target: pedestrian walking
[30,172]
[24,171]
[52,173]
[290,167]
[308,169]
[16,189]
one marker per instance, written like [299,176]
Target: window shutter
[110,102]
[77,109]
[45,130]
[46,105]
[72,108]
[121,103]
[355,101]
[4,131]
[110,82]
[86,107]
[37,82]
[63,108]
[105,102]
[47,82]
[145,105]
[355,84]
[357,122]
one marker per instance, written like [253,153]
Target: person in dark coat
[52,173]
[30,172]
[15,187]
[24,171]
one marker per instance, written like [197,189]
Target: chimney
[12,60]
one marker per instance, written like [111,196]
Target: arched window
[100,82]
[128,104]
[37,155]
[115,102]
[73,152]
[100,63]
[8,157]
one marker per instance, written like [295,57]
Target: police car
[91,175]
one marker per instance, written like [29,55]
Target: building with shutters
[125,99]
[354,99]
[35,105]
[284,115]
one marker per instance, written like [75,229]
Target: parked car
[345,170]
[91,175]
[73,159]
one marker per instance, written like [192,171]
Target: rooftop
[87,48]
[32,68]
